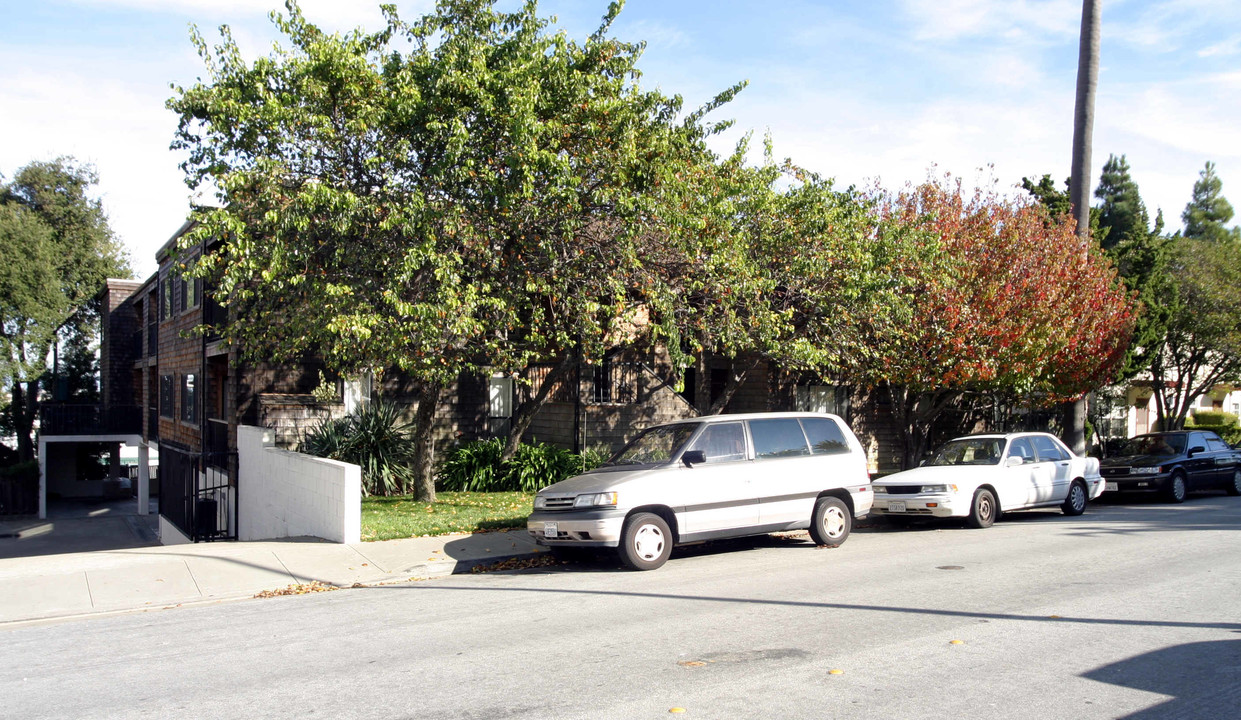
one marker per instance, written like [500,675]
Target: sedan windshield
[1155,445]
[970,451]
[655,445]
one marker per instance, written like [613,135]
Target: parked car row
[737,475]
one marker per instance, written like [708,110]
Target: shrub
[1222,423]
[373,437]
[476,467]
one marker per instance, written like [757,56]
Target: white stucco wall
[288,494]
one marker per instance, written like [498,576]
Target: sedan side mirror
[693,457]
[1196,449]
[1015,460]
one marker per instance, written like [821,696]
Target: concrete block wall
[287,494]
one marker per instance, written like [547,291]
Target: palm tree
[1079,182]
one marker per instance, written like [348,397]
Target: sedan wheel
[1075,503]
[1175,491]
[984,509]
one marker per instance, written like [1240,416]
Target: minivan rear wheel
[646,542]
[830,523]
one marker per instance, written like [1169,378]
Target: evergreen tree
[1208,212]
[1122,214]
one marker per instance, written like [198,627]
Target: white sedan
[981,476]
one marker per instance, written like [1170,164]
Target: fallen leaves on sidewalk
[298,589]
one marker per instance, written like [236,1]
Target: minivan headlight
[604,499]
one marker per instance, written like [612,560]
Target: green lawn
[390,518]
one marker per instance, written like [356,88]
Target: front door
[1020,484]
[1056,458]
[718,495]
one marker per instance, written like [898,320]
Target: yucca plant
[374,437]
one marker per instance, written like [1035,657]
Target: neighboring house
[1139,416]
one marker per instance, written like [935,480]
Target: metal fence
[197,493]
[90,420]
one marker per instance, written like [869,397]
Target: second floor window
[165,395]
[165,299]
[189,398]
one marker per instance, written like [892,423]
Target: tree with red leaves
[1002,298]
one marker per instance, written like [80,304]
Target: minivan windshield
[655,445]
[1155,445]
[970,451]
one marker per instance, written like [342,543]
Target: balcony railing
[90,420]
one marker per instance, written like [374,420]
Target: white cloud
[1231,46]
[948,20]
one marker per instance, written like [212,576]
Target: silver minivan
[707,478]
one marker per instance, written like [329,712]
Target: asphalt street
[1128,611]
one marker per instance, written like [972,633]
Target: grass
[391,518]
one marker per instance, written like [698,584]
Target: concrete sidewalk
[152,576]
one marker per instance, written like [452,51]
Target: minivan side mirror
[693,457]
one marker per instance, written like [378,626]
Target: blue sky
[860,91]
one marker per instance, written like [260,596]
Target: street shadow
[1201,677]
[75,526]
[882,609]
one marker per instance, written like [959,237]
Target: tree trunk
[525,412]
[702,382]
[424,424]
[1079,182]
[731,384]
[22,410]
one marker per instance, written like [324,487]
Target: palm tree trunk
[1079,182]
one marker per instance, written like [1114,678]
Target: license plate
[550,530]
[896,507]
[1110,487]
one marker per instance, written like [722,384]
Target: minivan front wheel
[646,542]
[830,523]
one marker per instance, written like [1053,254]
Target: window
[189,292]
[1022,448]
[501,396]
[165,396]
[723,442]
[165,296]
[189,398]
[778,438]
[1214,443]
[832,399]
[1048,450]
[825,436]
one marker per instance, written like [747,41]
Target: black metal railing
[152,339]
[90,420]
[19,491]
[197,493]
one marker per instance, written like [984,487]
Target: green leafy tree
[58,250]
[1122,214]
[1207,214]
[1203,344]
[462,192]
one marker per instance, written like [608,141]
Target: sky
[870,91]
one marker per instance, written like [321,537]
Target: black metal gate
[198,492]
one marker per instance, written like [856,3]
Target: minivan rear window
[825,436]
[777,438]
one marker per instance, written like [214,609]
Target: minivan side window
[825,436]
[778,438]
[722,442]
